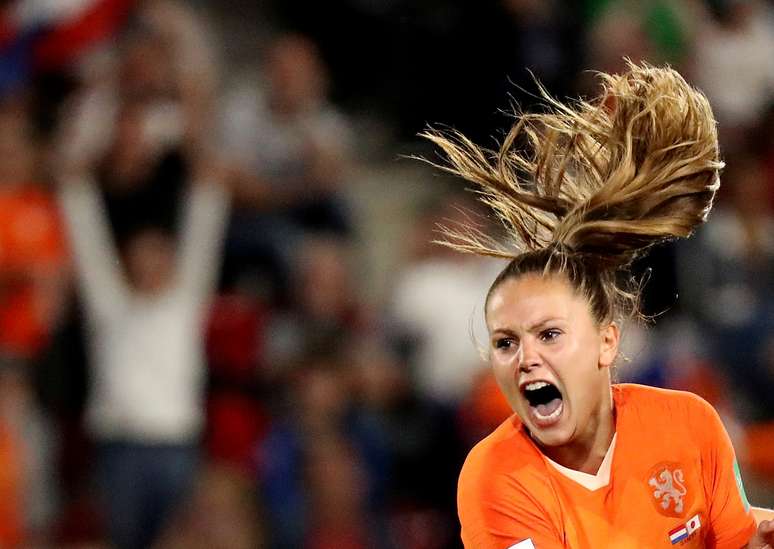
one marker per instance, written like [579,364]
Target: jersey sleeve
[497,511]
[730,519]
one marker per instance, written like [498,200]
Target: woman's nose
[528,356]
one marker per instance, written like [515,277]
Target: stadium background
[344,385]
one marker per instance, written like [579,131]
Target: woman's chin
[552,439]
[550,431]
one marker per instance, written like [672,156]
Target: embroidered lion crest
[667,484]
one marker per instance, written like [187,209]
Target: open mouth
[545,402]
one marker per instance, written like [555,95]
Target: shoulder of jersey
[656,402]
[499,451]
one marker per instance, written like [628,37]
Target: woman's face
[550,357]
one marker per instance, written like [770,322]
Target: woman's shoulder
[646,395]
[507,436]
[661,407]
[505,492]
[504,458]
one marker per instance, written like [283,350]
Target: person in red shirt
[584,463]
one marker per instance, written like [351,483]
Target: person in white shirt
[145,311]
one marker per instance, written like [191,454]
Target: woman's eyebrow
[541,323]
[531,328]
[504,331]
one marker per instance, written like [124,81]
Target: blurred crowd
[223,323]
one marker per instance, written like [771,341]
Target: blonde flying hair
[583,189]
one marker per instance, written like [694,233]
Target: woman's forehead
[530,296]
[535,283]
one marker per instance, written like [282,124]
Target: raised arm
[96,260]
[204,222]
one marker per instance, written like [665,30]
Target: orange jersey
[673,482]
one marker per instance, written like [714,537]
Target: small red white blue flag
[684,530]
[38,35]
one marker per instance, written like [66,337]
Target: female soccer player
[585,463]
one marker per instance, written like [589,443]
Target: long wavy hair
[584,188]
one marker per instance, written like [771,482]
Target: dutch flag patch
[684,530]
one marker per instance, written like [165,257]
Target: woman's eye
[549,335]
[504,343]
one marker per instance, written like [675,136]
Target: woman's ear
[608,344]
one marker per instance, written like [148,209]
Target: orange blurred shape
[484,409]
[759,448]
[31,241]
[11,504]
[488,403]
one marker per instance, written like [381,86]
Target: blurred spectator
[337,487]
[32,251]
[436,304]
[236,412]
[423,448]
[727,273]
[139,125]
[545,37]
[622,28]
[145,312]
[324,305]
[658,31]
[733,65]
[163,56]
[289,149]
[32,281]
[318,436]
[222,513]
[142,116]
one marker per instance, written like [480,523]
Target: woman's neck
[588,450]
